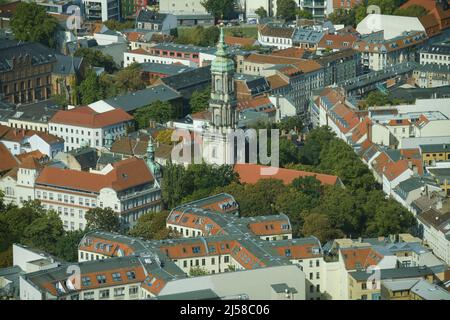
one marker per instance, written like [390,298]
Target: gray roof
[429,291]
[398,273]
[183,48]
[431,67]
[10,49]
[151,16]
[39,112]
[307,36]
[144,97]
[438,48]
[187,79]
[67,65]
[441,174]
[205,294]
[115,50]
[168,69]
[420,93]
[411,184]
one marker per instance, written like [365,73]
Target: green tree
[44,232]
[391,218]
[303,14]
[96,58]
[159,111]
[129,79]
[286,9]
[290,123]
[66,247]
[317,139]
[318,225]
[308,185]
[200,100]
[31,22]
[90,88]
[103,219]
[220,9]
[412,11]
[261,12]
[118,26]
[343,16]
[197,271]
[376,98]
[152,226]
[288,151]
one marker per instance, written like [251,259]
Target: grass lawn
[246,31]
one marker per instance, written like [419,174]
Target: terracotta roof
[292,52]
[130,146]
[140,51]
[17,135]
[337,41]
[400,42]
[344,117]
[134,36]
[360,258]
[264,228]
[125,174]
[8,161]
[395,169]
[36,154]
[251,173]
[276,81]
[380,162]
[402,122]
[299,251]
[254,103]
[30,163]
[88,118]
[361,129]
[229,40]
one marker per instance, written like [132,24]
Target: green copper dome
[222,63]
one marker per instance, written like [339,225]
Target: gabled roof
[8,161]
[238,41]
[88,118]
[125,174]
[279,32]
[360,258]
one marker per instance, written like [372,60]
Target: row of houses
[213,238]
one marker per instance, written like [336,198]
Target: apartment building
[377,53]
[435,229]
[435,54]
[20,141]
[101,10]
[83,126]
[274,36]
[25,71]
[317,8]
[432,153]
[432,75]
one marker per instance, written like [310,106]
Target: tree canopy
[220,9]
[200,100]
[152,225]
[31,22]
[199,36]
[103,219]
[261,12]
[96,58]
[159,111]
[286,9]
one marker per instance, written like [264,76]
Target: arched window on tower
[219,85]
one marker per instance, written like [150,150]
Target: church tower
[222,106]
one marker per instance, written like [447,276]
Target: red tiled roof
[337,41]
[17,135]
[395,169]
[125,174]
[8,161]
[251,173]
[402,122]
[254,103]
[360,258]
[292,52]
[229,40]
[264,228]
[88,118]
[275,81]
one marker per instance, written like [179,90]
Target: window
[311,276]
[310,263]
[364,286]
[117,277]
[119,292]
[317,275]
[213,261]
[86,281]
[89,295]
[364,297]
[104,294]
[133,290]
[226,259]
[131,275]
[203,262]
[318,288]
[317,263]
[311,288]
[195,249]
[101,279]
[287,252]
